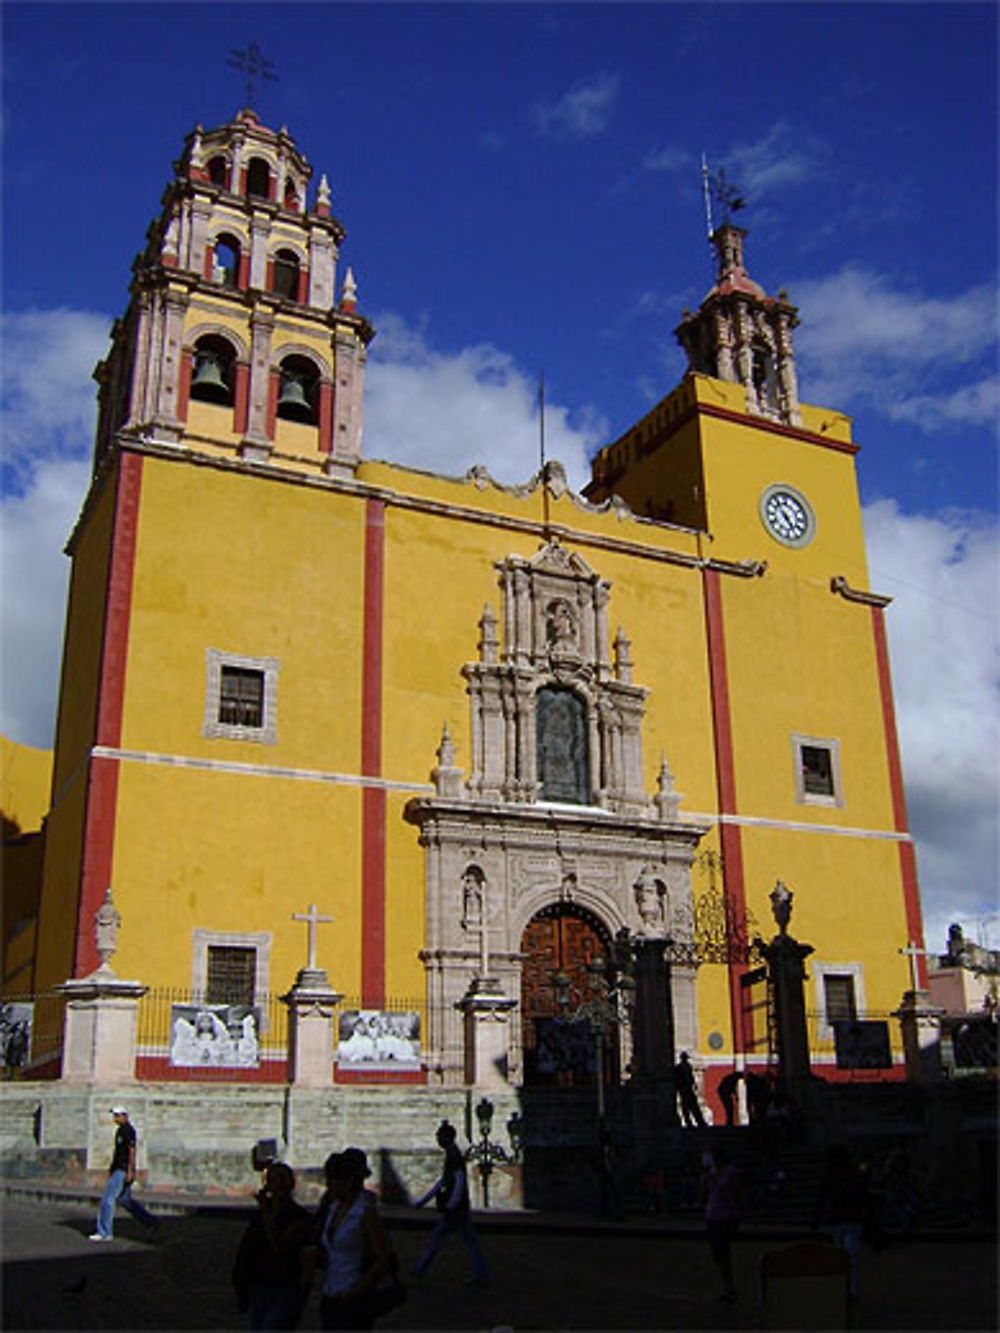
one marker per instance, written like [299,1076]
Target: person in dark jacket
[843,1204]
[450,1193]
[267,1274]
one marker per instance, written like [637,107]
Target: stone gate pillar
[785,959]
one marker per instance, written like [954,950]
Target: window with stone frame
[240,697]
[562,740]
[231,972]
[817,771]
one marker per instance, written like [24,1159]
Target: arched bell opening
[558,946]
[298,390]
[212,370]
[226,261]
[285,275]
[258,179]
[218,171]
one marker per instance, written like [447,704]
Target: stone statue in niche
[473,897]
[563,759]
[649,896]
[560,626]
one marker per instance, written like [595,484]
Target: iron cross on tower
[313,918]
[250,61]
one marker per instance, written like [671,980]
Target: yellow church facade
[483,729]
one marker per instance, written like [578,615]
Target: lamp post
[603,1012]
[487,1153]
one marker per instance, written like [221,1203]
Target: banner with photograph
[216,1036]
[378,1038]
[15,1034]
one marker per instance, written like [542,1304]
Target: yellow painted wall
[25,779]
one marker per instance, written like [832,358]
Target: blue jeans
[116,1191]
[449,1224]
[274,1307]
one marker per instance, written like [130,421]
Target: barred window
[817,771]
[841,1002]
[230,974]
[241,697]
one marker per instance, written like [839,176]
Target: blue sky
[521,192]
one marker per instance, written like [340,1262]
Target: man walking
[121,1177]
[686,1092]
[450,1193]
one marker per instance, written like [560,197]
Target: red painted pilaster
[243,271]
[302,295]
[325,417]
[241,398]
[725,771]
[373,807]
[102,781]
[184,385]
[907,856]
[269,276]
[273,384]
[209,260]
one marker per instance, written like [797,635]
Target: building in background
[483,728]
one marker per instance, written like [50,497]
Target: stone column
[99,1033]
[312,1004]
[487,1033]
[920,1022]
[785,959]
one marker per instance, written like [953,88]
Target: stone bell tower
[234,336]
[742,335]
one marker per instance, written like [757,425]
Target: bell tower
[235,339]
[741,335]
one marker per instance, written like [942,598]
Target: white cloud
[584,111]
[669,159]
[898,351]
[943,572]
[446,412]
[783,156]
[34,526]
[48,395]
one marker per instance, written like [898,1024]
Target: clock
[787,515]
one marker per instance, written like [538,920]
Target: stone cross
[913,953]
[313,919]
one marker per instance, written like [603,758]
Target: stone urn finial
[107,921]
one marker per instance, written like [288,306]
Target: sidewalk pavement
[547,1272]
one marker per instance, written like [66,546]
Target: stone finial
[107,921]
[323,196]
[781,905]
[447,776]
[623,658]
[349,294]
[489,644]
[666,799]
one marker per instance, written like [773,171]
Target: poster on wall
[216,1036]
[15,1034]
[378,1039]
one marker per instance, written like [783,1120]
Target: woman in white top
[354,1243]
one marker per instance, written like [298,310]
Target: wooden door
[559,1052]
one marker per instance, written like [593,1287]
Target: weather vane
[250,61]
[728,198]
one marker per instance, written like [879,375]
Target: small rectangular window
[841,1003]
[817,771]
[230,974]
[241,697]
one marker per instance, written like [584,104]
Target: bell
[292,400]
[207,381]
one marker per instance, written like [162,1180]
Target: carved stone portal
[553,810]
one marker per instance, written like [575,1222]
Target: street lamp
[486,1153]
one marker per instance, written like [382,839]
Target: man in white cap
[121,1176]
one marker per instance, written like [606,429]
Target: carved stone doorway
[562,938]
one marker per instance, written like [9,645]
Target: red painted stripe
[102,785]
[241,398]
[209,261]
[373,801]
[302,293]
[273,383]
[184,387]
[325,418]
[907,856]
[725,776]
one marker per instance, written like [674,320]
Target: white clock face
[787,515]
